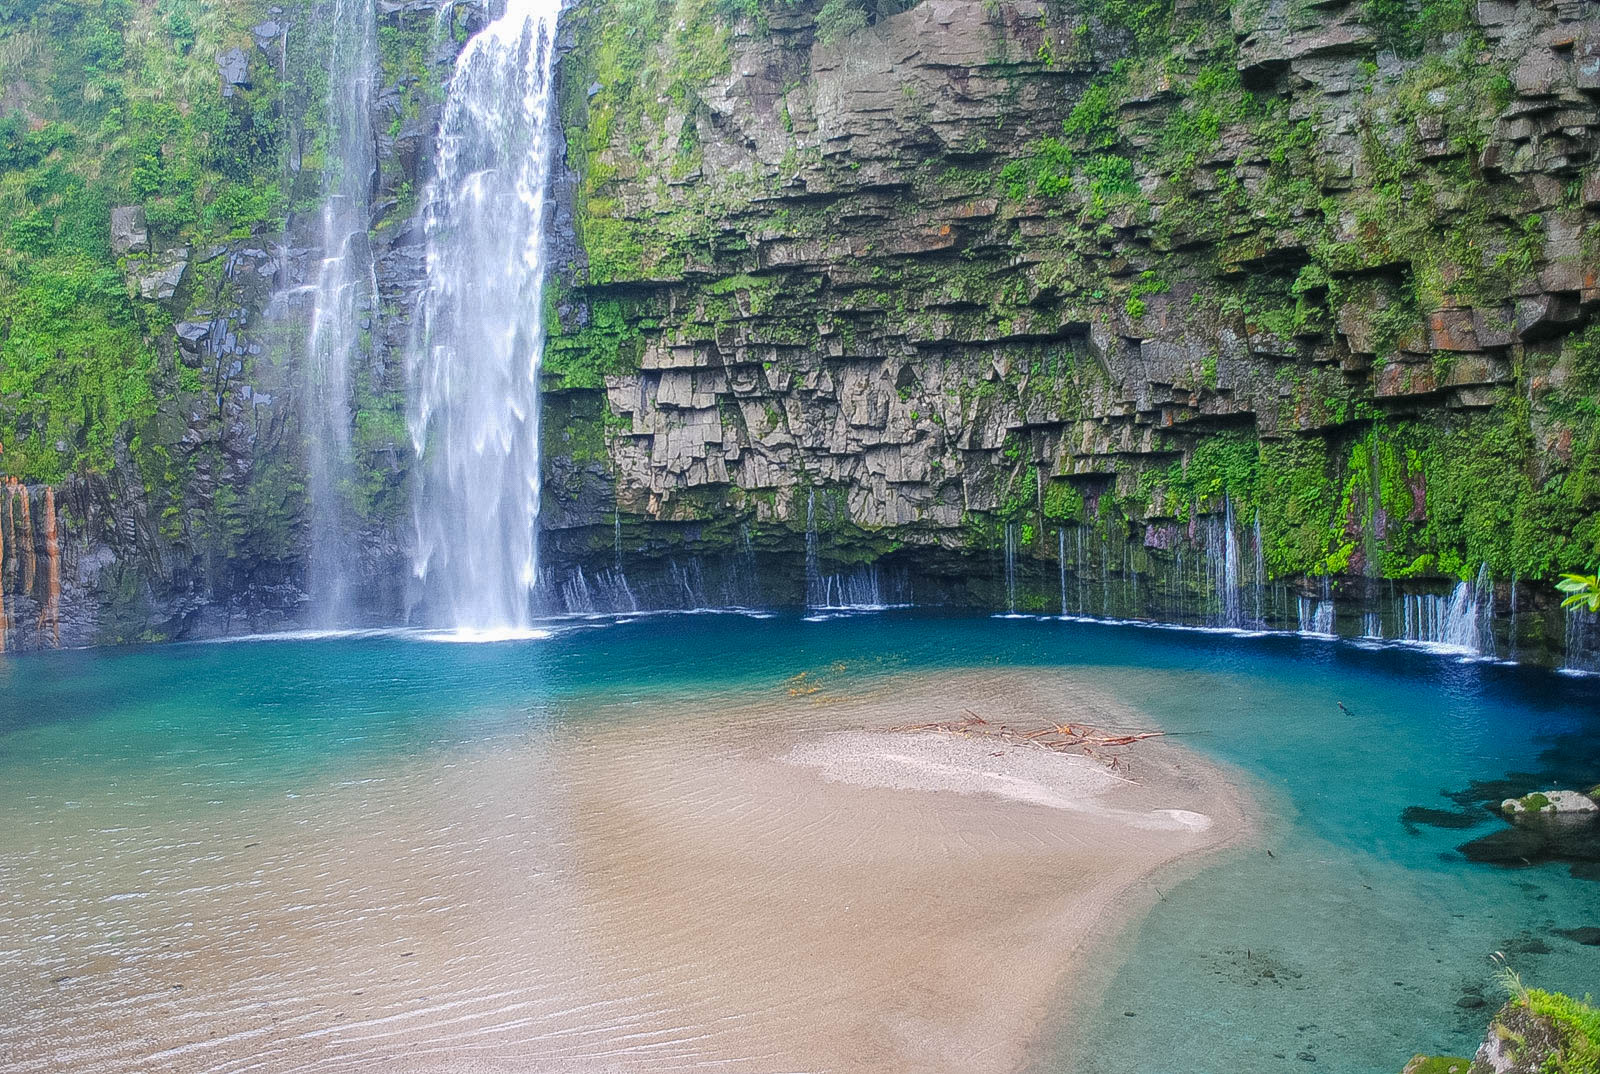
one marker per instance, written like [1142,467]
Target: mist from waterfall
[474,360]
[342,299]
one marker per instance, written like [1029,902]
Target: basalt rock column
[24,521]
[474,362]
[50,613]
[5,624]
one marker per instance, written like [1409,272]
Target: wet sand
[768,881]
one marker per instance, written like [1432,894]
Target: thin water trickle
[1011,566]
[1061,563]
[342,300]
[479,334]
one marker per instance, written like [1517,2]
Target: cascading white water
[1061,565]
[815,597]
[474,361]
[342,300]
[1582,642]
[1011,566]
[1259,583]
[1464,620]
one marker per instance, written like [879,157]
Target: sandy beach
[764,881]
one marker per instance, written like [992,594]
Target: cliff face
[1169,295]
[1104,267]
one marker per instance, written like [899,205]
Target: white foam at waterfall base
[1461,622]
[479,333]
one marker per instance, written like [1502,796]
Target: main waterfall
[342,300]
[474,361]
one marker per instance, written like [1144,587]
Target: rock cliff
[1251,312]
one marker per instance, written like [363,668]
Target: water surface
[1352,943]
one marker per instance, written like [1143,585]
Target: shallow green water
[1349,945]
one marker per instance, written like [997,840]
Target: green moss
[1063,502]
[1437,1064]
[1577,1023]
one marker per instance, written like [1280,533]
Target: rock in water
[1518,1042]
[1551,804]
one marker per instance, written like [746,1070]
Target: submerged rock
[1442,818]
[1588,935]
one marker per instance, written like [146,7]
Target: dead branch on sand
[1058,738]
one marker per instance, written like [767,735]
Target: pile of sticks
[1059,738]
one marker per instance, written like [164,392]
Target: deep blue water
[1351,944]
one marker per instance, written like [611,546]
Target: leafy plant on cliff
[1582,590]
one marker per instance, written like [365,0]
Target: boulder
[161,283]
[1551,804]
[1521,1042]
[234,68]
[129,235]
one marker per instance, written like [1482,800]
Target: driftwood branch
[1058,738]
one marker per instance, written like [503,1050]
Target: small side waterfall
[475,358]
[1316,614]
[1259,582]
[815,597]
[1011,566]
[1582,642]
[1222,567]
[1061,564]
[342,301]
[1463,620]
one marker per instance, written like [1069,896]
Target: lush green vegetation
[115,103]
[1578,1024]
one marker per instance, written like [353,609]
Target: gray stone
[129,235]
[162,283]
[234,68]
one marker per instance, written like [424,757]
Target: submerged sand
[771,881]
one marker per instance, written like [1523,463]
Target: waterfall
[474,360]
[1316,616]
[1077,567]
[1105,577]
[1372,626]
[1259,582]
[1011,566]
[1581,651]
[342,301]
[815,597]
[1061,563]
[1464,620]
[1224,567]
